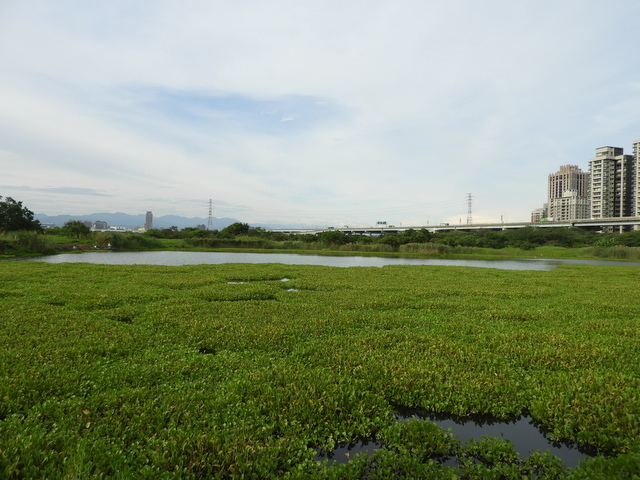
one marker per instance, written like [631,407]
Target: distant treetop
[13,216]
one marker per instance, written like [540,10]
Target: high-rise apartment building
[613,183]
[148,224]
[635,210]
[568,194]
[610,189]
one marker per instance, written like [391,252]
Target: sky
[308,112]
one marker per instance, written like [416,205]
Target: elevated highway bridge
[617,224]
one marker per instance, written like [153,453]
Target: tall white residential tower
[568,194]
[613,183]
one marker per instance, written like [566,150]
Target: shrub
[630,253]
[25,242]
[124,241]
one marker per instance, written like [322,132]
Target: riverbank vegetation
[20,234]
[545,242]
[247,371]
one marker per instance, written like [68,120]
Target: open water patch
[173,258]
[524,433]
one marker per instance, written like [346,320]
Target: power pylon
[210,220]
[469,217]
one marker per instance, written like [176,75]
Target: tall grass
[240,242]
[124,241]
[617,251]
[25,242]
[371,247]
[439,248]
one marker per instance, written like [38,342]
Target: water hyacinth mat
[253,371]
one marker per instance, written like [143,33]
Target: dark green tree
[76,229]
[416,236]
[489,239]
[14,216]
[333,238]
[392,239]
[234,229]
[628,239]
[192,232]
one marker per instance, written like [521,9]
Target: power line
[328,212]
[210,220]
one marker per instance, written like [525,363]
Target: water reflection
[171,258]
[523,432]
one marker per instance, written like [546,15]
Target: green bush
[130,241]
[26,242]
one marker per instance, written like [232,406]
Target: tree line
[524,238]
[26,232]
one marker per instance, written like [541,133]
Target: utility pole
[210,220]
[469,217]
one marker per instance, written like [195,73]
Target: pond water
[522,432]
[173,258]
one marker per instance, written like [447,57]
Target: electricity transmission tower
[210,220]
[469,217]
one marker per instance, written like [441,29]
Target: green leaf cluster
[244,371]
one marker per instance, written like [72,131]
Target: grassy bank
[526,243]
[242,371]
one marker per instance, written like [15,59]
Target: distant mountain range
[136,221]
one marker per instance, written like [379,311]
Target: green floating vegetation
[227,371]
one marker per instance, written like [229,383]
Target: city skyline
[610,188]
[570,191]
[309,113]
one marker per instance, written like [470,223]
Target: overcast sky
[310,112]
